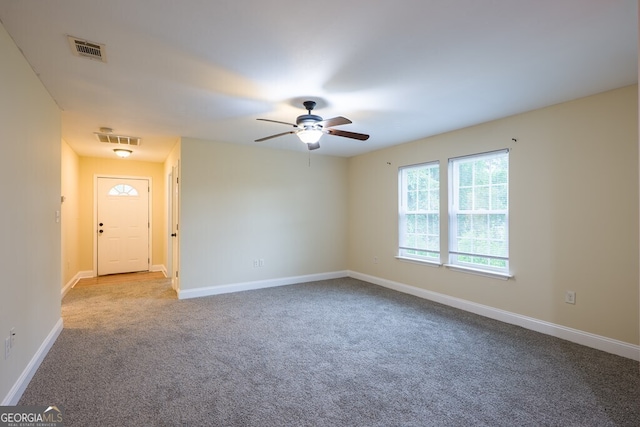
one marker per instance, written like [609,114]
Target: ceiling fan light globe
[309,136]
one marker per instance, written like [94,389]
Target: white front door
[123,225]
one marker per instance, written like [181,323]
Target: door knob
[100,231]
[174,234]
[101,224]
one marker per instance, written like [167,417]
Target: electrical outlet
[570,297]
[255,263]
[7,347]
[260,262]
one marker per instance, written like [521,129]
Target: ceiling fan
[310,128]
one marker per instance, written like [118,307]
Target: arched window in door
[123,190]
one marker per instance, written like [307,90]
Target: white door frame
[95,216]
[170,214]
[174,226]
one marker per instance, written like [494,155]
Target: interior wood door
[123,225]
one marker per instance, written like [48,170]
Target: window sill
[486,273]
[420,261]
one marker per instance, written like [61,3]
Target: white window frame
[406,248]
[458,258]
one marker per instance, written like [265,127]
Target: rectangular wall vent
[87,49]
[118,139]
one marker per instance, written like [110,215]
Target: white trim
[161,268]
[419,261]
[479,272]
[75,279]
[14,395]
[609,345]
[260,284]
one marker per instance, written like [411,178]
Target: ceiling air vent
[117,139]
[87,49]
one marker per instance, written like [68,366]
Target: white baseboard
[74,280]
[160,267]
[598,342]
[14,395]
[247,286]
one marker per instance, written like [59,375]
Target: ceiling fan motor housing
[307,120]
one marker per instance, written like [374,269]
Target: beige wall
[30,243]
[573,214]
[70,224]
[241,202]
[92,166]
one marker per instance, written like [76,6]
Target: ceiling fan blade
[275,136]
[277,121]
[313,146]
[335,121]
[352,135]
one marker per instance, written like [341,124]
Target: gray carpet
[331,353]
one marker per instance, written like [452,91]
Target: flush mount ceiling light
[121,152]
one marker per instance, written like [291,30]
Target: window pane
[411,224]
[481,198]
[411,180]
[434,175]
[465,245]
[411,201]
[434,199]
[423,199]
[423,179]
[481,247]
[466,199]
[498,227]
[434,224]
[498,263]
[499,197]
[419,210]
[122,190]
[421,223]
[498,248]
[482,172]
[466,174]
[500,171]
[464,225]
[434,243]
[479,225]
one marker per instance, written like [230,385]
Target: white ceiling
[400,70]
